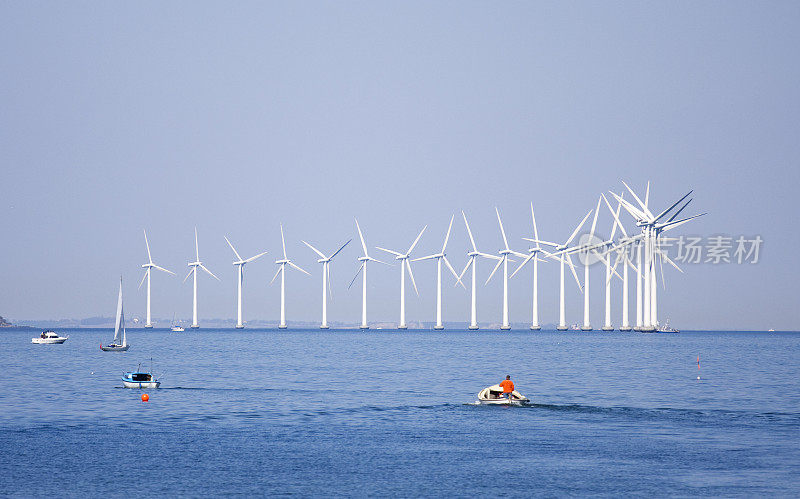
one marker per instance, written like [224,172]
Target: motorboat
[666,328]
[493,395]
[120,342]
[49,337]
[176,327]
[140,379]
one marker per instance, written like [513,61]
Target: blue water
[352,413]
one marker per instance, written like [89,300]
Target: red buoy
[145,397]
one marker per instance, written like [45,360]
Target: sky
[235,117]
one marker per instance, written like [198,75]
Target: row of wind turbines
[647,247]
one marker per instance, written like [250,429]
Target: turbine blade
[535,230]
[644,206]
[471,239]
[490,257]
[146,243]
[315,250]
[526,260]
[253,258]
[447,237]
[539,241]
[389,251]
[594,221]
[575,233]
[276,274]
[673,217]
[340,249]
[196,247]
[143,278]
[379,261]
[361,236]
[297,268]
[328,271]
[424,258]
[187,275]
[634,211]
[209,272]
[616,218]
[502,230]
[416,241]
[647,195]
[283,243]
[672,225]
[493,271]
[453,271]
[411,275]
[676,203]
[574,274]
[164,270]
[354,277]
[234,249]
[471,261]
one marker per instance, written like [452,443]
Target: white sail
[120,323]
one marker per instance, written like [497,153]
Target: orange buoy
[145,397]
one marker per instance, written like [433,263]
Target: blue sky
[235,117]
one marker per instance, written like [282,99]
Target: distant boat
[666,328]
[120,343]
[176,328]
[140,379]
[49,337]
[770,330]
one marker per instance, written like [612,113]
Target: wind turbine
[194,265]
[504,260]
[149,266]
[363,269]
[533,256]
[587,326]
[240,263]
[439,257]
[326,279]
[282,271]
[473,257]
[405,264]
[610,247]
[562,253]
[651,230]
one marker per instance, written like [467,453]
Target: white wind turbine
[282,271]
[587,326]
[651,230]
[240,263]
[439,257]
[405,264]
[326,279]
[363,269]
[149,266]
[504,261]
[194,265]
[473,257]
[562,254]
[534,256]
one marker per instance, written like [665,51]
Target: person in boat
[508,387]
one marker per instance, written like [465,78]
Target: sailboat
[120,343]
[176,327]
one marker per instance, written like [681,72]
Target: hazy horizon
[234,118]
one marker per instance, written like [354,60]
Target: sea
[349,413]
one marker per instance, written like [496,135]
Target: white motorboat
[49,337]
[493,395]
[666,328]
[120,342]
[176,327]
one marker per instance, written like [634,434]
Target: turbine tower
[149,266]
[240,263]
[609,248]
[534,256]
[473,257]
[194,265]
[363,269]
[282,271]
[405,264]
[504,261]
[326,279]
[439,257]
[587,326]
